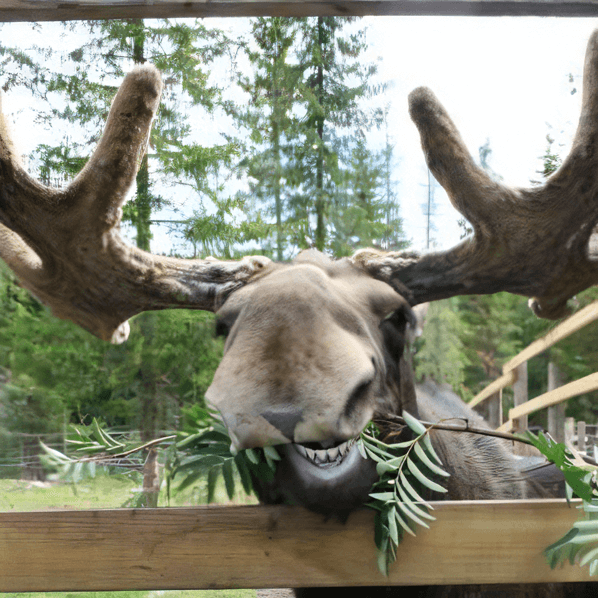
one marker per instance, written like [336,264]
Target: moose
[316,348]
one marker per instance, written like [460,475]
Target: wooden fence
[480,542]
[260,547]
[515,374]
[62,10]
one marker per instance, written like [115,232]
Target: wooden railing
[515,373]
[275,546]
[61,10]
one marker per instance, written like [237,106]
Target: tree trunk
[150,406]
[320,201]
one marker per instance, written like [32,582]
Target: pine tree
[89,80]
[269,117]
[329,60]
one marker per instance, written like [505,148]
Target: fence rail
[515,374]
[61,10]
[276,546]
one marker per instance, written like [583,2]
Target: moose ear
[397,330]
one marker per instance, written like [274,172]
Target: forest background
[294,170]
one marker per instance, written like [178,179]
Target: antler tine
[64,245]
[537,242]
[105,180]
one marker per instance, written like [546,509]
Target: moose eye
[222,328]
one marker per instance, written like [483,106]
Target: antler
[538,242]
[65,247]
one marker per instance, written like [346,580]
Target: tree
[89,78]
[440,355]
[359,214]
[328,61]
[137,390]
[394,238]
[430,209]
[268,116]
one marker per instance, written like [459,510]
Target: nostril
[359,395]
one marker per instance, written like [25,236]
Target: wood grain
[64,10]
[260,546]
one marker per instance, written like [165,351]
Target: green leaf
[402,523]
[423,479]
[385,467]
[409,488]
[252,455]
[411,514]
[413,423]
[430,448]
[419,451]
[382,562]
[592,554]
[244,473]
[392,525]
[229,478]
[383,496]
[213,475]
[381,531]
[562,541]
[413,506]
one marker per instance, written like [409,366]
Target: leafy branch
[404,469]
[580,544]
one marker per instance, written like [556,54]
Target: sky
[507,81]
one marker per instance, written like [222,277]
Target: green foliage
[52,368]
[305,174]
[406,470]
[441,354]
[206,454]
[580,543]
[361,214]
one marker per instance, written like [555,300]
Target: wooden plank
[563,393]
[275,546]
[556,413]
[520,396]
[500,383]
[64,10]
[579,320]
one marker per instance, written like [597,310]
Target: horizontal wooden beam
[576,322]
[66,10]
[554,397]
[500,383]
[276,546]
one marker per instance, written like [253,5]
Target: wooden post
[494,410]
[569,428]
[581,437]
[556,413]
[520,396]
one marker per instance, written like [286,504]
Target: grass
[101,492]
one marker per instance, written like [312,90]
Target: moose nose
[247,430]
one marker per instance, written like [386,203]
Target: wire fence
[20,453]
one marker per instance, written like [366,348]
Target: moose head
[314,348]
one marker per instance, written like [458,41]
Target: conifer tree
[269,117]
[334,82]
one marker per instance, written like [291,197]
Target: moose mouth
[326,458]
[332,481]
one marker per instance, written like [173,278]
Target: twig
[104,456]
[459,428]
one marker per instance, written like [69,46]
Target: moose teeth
[326,456]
